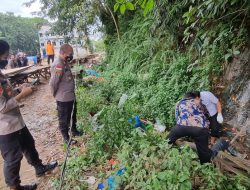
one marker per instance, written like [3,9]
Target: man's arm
[56,75]
[53,49]
[219,107]
[7,105]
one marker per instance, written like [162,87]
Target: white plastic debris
[159,126]
[91,180]
[122,100]
[94,121]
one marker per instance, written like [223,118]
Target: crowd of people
[19,60]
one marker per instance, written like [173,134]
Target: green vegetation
[154,59]
[21,33]
[151,163]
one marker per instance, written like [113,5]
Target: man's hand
[25,92]
[220,118]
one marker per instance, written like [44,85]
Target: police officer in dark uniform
[15,138]
[63,88]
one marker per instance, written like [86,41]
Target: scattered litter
[123,99]
[111,183]
[159,126]
[94,121]
[91,180]
[100,186]
[111,180]
[137,122]
[121,171]
[92,73]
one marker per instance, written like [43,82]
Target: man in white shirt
[214,109]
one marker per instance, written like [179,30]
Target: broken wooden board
[225,162]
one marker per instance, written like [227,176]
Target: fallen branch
[242,133]
[224,161]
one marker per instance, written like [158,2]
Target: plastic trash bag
[159,126]
[94,121]
[122,100]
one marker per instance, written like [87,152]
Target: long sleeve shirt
[11,119]
[62,82]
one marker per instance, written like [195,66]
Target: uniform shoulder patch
[59,69]
[1,90]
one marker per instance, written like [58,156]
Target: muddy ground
[40,116]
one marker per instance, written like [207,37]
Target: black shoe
[76,133]
[24,187]
[220,145]
[43,169]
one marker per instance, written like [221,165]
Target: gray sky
[16,6]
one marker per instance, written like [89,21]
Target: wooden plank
[12,72]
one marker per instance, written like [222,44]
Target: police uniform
[63,89]
[15,138]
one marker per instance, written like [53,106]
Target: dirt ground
[39,113]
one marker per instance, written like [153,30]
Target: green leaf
[233,2]
[162,175]
[130,6]
[143,4]
[116,6]
[236,52]
[122,8]
[149,7]
[150,4]
[227,56]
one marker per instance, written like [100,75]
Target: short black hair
[192,94]
[4,47]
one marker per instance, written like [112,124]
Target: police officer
[63,89]
[15,138]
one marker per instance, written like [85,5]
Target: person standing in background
[25,60]
[39,59]
[12,62]
[50,50]
[63,89]
[22,60]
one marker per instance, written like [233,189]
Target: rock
[236,96]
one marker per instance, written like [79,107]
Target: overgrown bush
[154,64]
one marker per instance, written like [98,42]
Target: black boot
[24,187]
[43,169]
